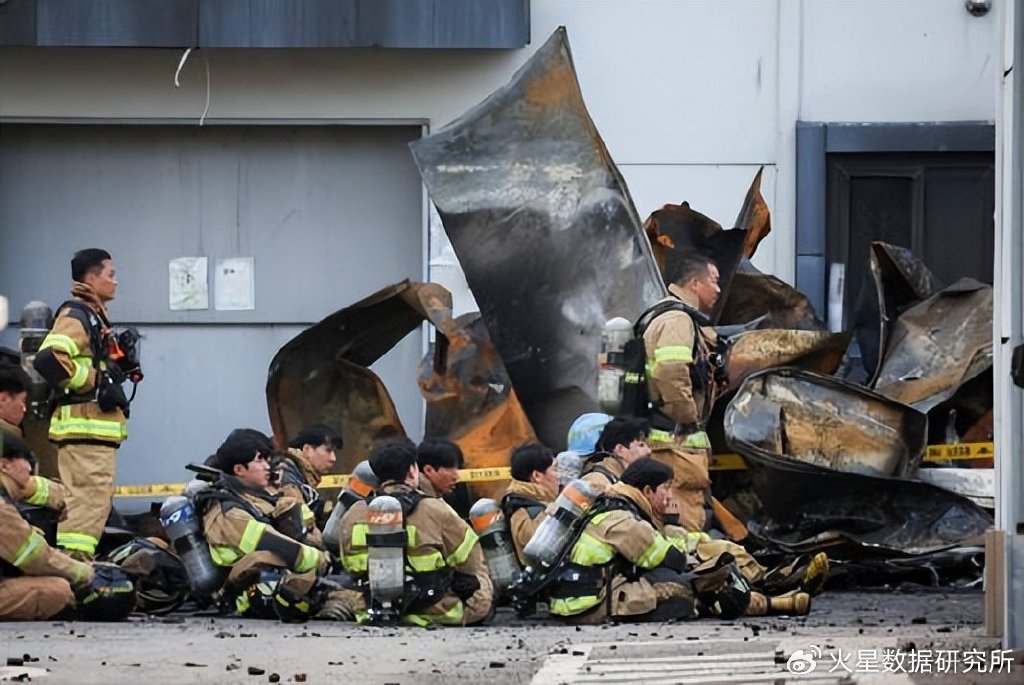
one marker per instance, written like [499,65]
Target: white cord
[206,108]
[181,63]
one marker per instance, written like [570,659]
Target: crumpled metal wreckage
[547,235]
[322,376]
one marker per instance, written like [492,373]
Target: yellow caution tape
[964,451]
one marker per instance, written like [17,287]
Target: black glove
[109,394]
[289,522]
[464,585]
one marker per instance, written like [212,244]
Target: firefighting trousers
[691,488]
[34,598]
[87,471]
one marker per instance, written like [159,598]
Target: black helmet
[109,597]
[161,582]
[258,600]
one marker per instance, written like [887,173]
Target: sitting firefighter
[621,566]
[533,487]
[297,473]
[445,578]
[622,442]
[262,538]
[37,581]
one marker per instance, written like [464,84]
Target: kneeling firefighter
[37,580]
[251,531]
[421,541]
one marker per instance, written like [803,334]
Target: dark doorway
[940,205]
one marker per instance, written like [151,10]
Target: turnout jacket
[72,354]
[298,480]
[602,470]
[24,547]
[9,428]
[239,520]
[525,508]
[610,556]
[673,343]
[440,547]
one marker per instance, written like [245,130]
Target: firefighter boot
[794,603]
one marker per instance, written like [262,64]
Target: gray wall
[329,214]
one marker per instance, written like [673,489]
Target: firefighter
[622,442]
[310,456]
[446,579]
[37,582]
[249,529]
[14,384]
[533,487]
[439,461]
[89,422]
[623,567]
[682,358]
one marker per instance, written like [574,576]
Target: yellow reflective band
[254,530]
[359,532]
[60,342]
[632,377]
[307,514]
[241,603]
[698,440]
[29,549]
[426,563]
[80,542]
[589,551]
[308,560]
[94,427]
[224,556]
[42,493]
[660,436]
[356,562]
[654,554]
[673,353]
[462,552]
[452,617]
[81,573]
[571,606]
[80,376]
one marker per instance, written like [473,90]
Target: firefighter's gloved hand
[464,585]
[289,522]
[110,395]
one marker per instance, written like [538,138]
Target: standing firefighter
[446,580]
[682,361]
[90,418]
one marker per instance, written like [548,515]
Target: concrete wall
[691,97]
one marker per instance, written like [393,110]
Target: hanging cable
[181,63]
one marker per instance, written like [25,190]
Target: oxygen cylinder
[36,321]
[490,525]
[194,486]
[612,364]
[385,541]
[178,517]
[359,486]
[568,466]
[546,544]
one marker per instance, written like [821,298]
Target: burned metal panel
[470,398]
[938,345]
[854,516]
[545,230]
[754,351]
[898,280]
[320,376]
[824,422]
[754,294]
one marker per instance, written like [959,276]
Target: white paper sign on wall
[188,288]
[234,284]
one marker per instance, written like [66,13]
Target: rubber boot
[794,603]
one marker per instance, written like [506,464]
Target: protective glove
[110,395]
[464,585]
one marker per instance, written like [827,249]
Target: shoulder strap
[670,305]
[512,503]
[92,322]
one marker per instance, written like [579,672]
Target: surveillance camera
[978,8]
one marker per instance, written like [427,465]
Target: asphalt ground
[184,648]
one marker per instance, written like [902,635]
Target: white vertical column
[789,58]
[1009,317]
